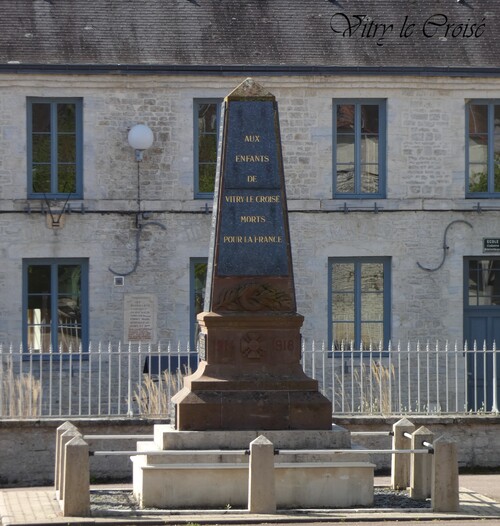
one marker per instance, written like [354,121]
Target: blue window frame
[197,283]
[55,148]
[55,304]
[359,302]
[483,149]
[206,136]
[359,148]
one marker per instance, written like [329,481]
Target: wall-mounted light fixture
[140,137]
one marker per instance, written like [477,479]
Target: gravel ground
[118,502]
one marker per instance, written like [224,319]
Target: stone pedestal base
[204,470]
[241,410]
[250,377]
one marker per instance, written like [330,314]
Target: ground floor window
[55,299]
[484,282]
[198,278]
[359,301]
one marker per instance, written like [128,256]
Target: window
[198,278]
[55,141]
[484,282]
[206,132]
[483,149]
[359,301]
[55,310]
[359,148]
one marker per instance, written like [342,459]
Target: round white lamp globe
[140,137]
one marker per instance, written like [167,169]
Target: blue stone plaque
[251,243]
[252,238]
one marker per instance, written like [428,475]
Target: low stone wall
[477,436]
[27,446]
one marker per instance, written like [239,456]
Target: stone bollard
[57,471]
[76,501]
[421,465]
[65,438]
[400,464]
[445,495]
[261,484]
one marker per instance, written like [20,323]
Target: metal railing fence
[413,378]
[139,380]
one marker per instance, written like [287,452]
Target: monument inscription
[250,266]
[252,236]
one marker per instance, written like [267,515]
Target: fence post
[494,404]
[57,471]
[445,476]
[400,463]
[65,438]
[261,485]
[76,500]
[420,465]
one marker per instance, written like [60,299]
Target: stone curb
[38,507]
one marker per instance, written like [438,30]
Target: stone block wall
[27,449]
[425,192]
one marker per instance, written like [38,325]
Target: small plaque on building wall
[140,318]
[491,244]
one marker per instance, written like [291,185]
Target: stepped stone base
[204,469]
[250,377]
[269,410]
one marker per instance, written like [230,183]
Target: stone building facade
[136,231]
[425,192]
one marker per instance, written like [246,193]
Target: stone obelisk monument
[250,381]
[250,376]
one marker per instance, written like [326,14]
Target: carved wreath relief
[254,297]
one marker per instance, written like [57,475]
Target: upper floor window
[359,148]
[55,144]
[483,149]
[206,132]
[360,302]
[55,297]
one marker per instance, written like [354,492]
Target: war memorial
[250,383]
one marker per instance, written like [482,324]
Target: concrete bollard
[261,484]
[400,463]
[76,501]
[445,495]
[57,471]
[420,465]
[65,438]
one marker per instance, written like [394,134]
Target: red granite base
[251,378]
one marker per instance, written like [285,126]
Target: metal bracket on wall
[55,217]
[346,209]
[445,246]
[140,227]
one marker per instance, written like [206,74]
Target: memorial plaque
[140,318]
[250,376]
